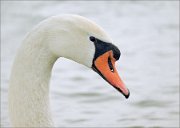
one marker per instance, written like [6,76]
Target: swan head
[79,39]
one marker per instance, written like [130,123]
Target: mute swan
[70,36]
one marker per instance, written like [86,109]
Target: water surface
[147,35]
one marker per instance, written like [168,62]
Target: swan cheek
[111,76]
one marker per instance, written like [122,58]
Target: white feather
[59,36]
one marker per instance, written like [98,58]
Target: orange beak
[105,66]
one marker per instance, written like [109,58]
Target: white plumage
[59,36]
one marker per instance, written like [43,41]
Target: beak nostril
[110,65]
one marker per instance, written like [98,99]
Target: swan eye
[110,65]
[92,38]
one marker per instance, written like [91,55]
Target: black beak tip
[127,96]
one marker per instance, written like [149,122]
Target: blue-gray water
[147,35]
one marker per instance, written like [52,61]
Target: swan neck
[29,87]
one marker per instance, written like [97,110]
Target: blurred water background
[146,32]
